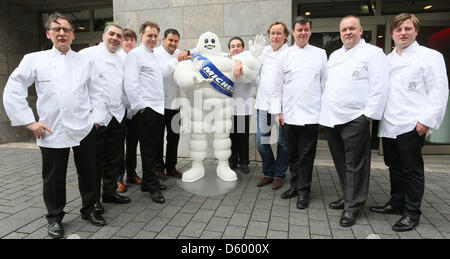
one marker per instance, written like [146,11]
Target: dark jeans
[172,124]
[350,148]
[110,155]
[271,168]
[239,140]
[54,171]
[131,140]
[150,126]
[302,152]
[403,156]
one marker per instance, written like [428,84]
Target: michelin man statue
[208,81]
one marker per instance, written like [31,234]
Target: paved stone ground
[248,212]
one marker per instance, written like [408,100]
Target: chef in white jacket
[166,52]
[418,95]
[68,107]
[144,88]
[298,81]
[355,93]
[273,169]
[110,135]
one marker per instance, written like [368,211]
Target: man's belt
[209,71]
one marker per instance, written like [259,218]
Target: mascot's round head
[208,44]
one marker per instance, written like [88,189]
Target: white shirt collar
[408,50]
[361,42]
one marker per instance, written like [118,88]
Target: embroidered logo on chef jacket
[412,86]
[355,74]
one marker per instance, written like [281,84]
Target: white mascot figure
[207,80]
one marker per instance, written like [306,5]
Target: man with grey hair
[69,110]
[111,134]
[355,93]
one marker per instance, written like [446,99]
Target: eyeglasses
[58,29]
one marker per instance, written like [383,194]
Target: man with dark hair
[242,95]
[110,135]
[144,88]
[131,135]
[69,110]
[165,52]
[296,95]
[418,94]
[355,93]
[274,170]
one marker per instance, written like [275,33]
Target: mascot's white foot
[194,174]
[225,173]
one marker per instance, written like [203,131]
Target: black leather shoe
[162,187]
[99,208]
[116,198]
[233,167]
[337,205]
[291,193]
[245,169]
[303,201]
[348,218]
[386,209]
[95,219]
[405,224]
[158,197]
[55,230]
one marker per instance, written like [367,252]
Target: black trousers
[131,140]
[302,143]
[54,172]
[172,124]
[239,140]
[403,156]
[110,152]
[150,129]
[350,148]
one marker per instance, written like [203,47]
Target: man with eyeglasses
[69,110]
[110,135]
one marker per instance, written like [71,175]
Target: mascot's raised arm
[208,81]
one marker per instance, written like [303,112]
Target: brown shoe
[264,181]
[277,183]
[161,175]
[174,172]
[135,180]
[121,188]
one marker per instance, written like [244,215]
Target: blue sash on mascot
[220,82]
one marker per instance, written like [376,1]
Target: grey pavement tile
[313,236]
[136,208]
[217,224]
[15,235]
[105,232]
[239,219]
[298,232]
[362,231]
[19,220]
[319,228]
[272,234]
[299,219]
[191,207]
[156,224]
[342,234]
[245,207]
[257,229]
[145,235]
[181,219]
[279,224]
[211,204]
[169,211]
[169,232]
[194,229]
[33,226]
[121,220]
[41,233]
[413,234]
[261,215]
[382,227]
[234,232]
[280,210]
[224,211]
[211,235]
[146,215]
[131,229]
[203,215]
[428,232]
[263,204]
[231,200]
[317,214]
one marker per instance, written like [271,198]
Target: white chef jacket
[66,102]
[243,93]
[298,81]
[144,73]
[418,91]
[110,67]
[122,55]
[268,59]
[171,89]
[357,85]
